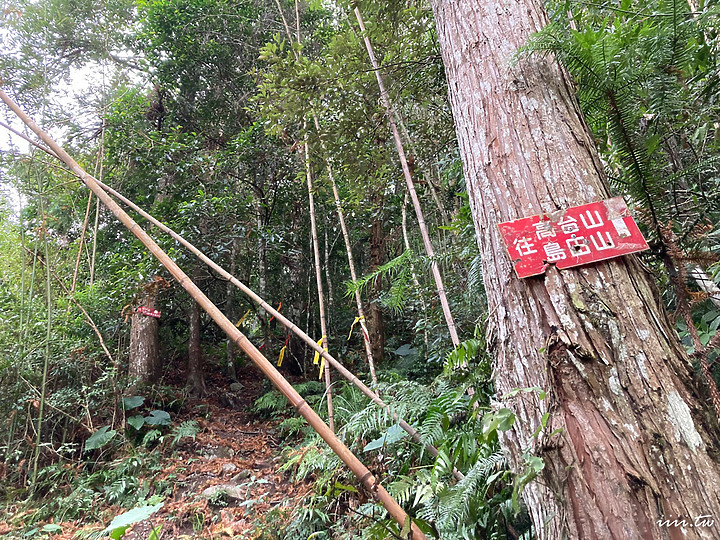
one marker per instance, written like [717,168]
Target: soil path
[224,483]
[227,479]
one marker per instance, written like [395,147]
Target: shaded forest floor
[225,482]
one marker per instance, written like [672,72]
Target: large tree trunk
[637,442]
[143,354]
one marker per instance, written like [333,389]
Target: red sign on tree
[573,237]
[142,310]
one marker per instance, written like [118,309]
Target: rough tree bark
[195,375]
[143,353]
[195,378]
[637,443]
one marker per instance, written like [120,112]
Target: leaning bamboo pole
[318,279]
[342,451]
[287,323]
[390,113]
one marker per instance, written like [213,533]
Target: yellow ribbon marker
[323,344]
[316,358]
[242,319]
[282,355]
[357,320]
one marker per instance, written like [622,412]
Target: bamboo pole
[12,421]
[318,278]
[82,242]
[361,471]
[391,113]
[309,341]
[313,226]
[351,260]
[416,281]
[94,243]
[48,334]
[341,217]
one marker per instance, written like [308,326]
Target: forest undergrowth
[215,474]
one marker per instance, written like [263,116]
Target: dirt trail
[227,479]
[225,482]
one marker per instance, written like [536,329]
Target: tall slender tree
[629,440]
[318,278]
[392,116]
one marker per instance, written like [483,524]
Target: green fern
[638,78]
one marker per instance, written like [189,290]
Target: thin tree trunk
[351,260]
[635,444]
[416,282]
[375,317]
[48,337]
[429,175]
[195,377]
[230,310]
[262,266]
[94,244]
[99,169]
[328,280]
[144,356]
[391,112]
[21,325]
[82,242]
[318,278]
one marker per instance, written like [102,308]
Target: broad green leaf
[393,434]
[132,402]
[141,513]
[100,438]
[501,420]
[158,418]
[51,528]
[136,421]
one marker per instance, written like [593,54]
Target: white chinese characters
[554,252]
[524,246]
[544,229]
[578,245]
[591,222]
